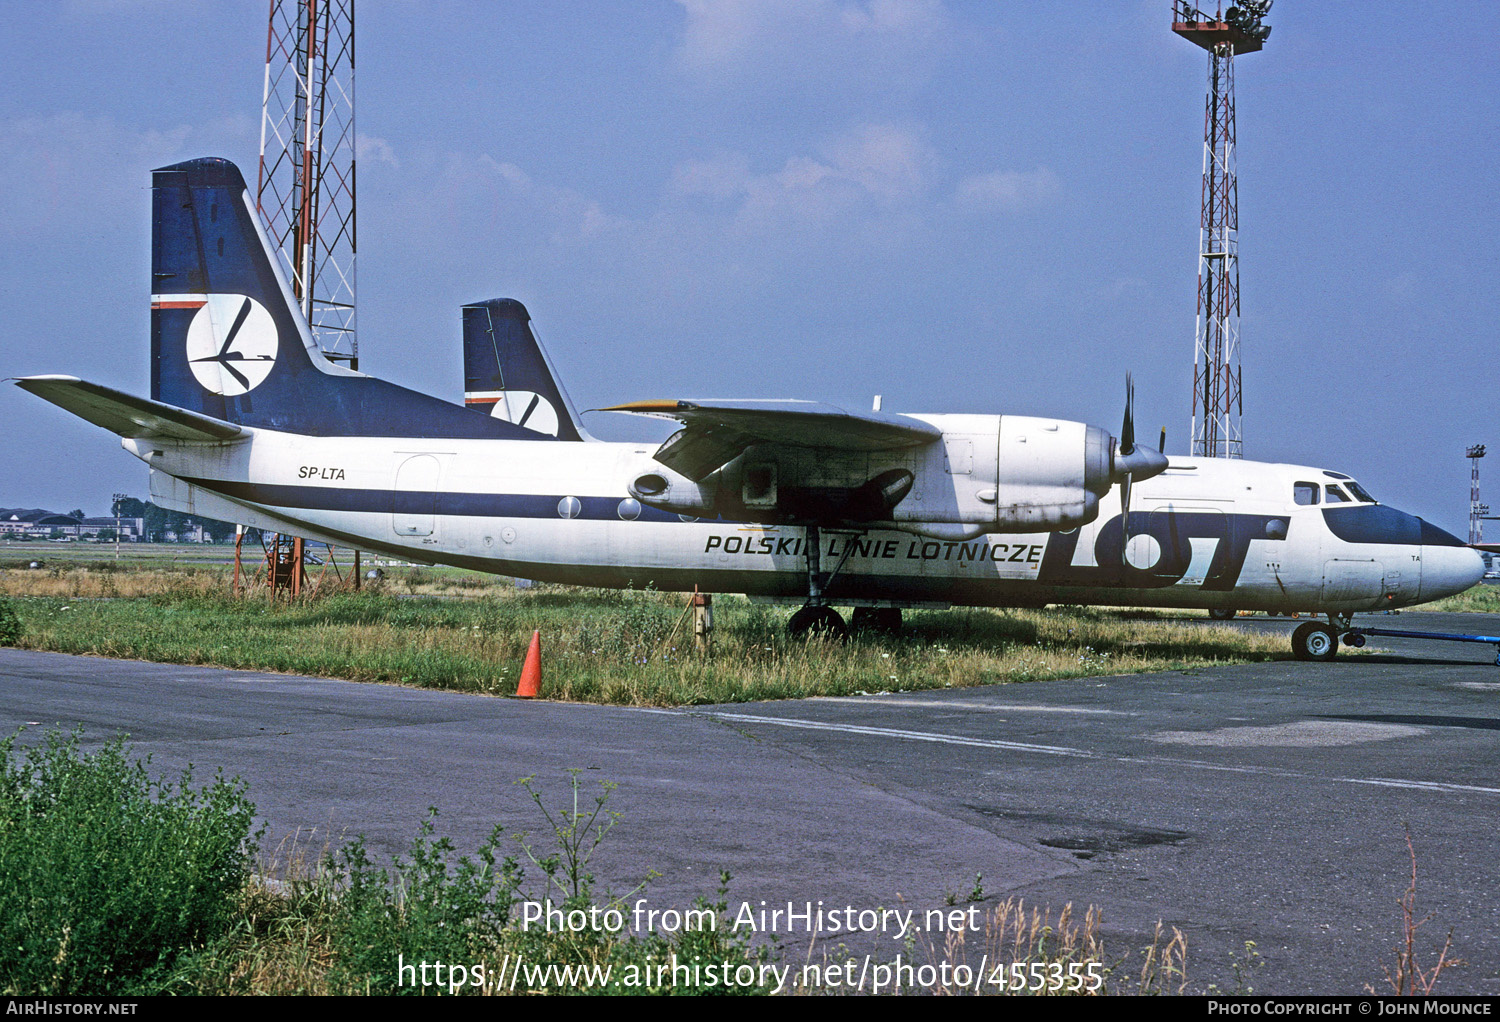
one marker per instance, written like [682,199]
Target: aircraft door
[414,501]
[1352,581]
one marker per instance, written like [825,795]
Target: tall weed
[106,875]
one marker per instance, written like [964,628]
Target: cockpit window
[1360,493]
[1305,493]
[1336,495]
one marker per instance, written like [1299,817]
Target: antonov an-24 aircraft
[248,422]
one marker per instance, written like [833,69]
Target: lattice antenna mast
[305,189]
[1477,511]
[1217,405]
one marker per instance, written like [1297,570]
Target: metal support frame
[1216,428]
[305,187]
[1217,402]
[1478,512]
[305,191]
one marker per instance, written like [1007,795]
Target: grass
[107,876]
[117,884]
[624,648]
[1482,599]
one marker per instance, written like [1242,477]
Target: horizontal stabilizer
[716,431]
[130,416]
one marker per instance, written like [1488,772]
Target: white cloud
[873,166]
[786,43]
[888,162]
[371,147]
[721,177]
[86,171]
[1008,191]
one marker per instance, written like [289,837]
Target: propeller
[1127,448]
[1131,460]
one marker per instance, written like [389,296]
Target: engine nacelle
[1050,474]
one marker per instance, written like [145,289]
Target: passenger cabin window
[1360,493]
[1305,493]
[1336,495]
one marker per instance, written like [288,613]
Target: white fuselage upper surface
[1205,533]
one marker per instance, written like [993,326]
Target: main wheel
[1312,641]
[1223,613]
[876,620]
[817,622]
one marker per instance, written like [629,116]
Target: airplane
[248,422]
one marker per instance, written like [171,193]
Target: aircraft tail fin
[507,373]
[229,341]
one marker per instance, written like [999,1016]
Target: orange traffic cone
[531,672]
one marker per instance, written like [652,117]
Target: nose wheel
[1314,641]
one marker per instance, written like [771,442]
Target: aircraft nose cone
[1449,570]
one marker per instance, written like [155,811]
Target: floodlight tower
[1216,431]
[1477,511]
[305,189]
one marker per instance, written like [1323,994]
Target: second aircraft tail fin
[507,374]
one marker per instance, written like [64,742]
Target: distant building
[39,523]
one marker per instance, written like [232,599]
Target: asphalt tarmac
[1265,804]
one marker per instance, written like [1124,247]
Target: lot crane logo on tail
[231,343]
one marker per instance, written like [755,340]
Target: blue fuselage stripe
[407,502]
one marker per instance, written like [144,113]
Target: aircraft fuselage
[1207,533]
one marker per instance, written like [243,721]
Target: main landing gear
[820,621]
[825,621]
[876,620]
[1316,641]
[817,618]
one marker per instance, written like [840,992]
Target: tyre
[1313,641]
[876,620]
[817,622]
[1223,613]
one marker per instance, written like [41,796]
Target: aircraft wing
[715,432]
[130,416]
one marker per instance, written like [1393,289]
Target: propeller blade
[1132,461]
[1161,448]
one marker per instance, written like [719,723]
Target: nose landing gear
[1315,641]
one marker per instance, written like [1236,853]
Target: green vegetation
[107,876]
[1482,599]
[114,884]
[10,625]
[631,648]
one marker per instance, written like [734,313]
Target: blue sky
[981,207]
